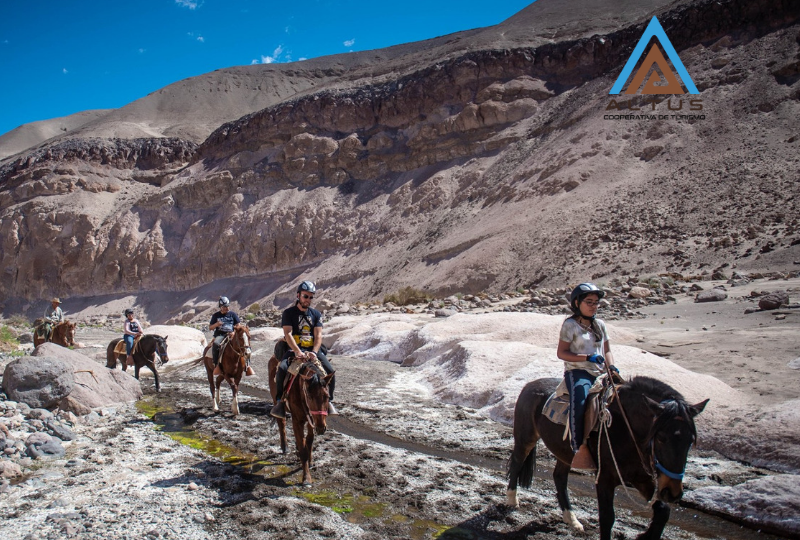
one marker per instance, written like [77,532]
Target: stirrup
[249,372]
[217,371]
[583,459]
[129,361]
[278,410]
[332,410]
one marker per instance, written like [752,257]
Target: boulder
[266,333]
[639,292]
[714,295]
[774,300]
[95,385]
[43,445]
[39,382]
[9,469]
[184,343]
[444,312]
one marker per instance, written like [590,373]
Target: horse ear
[165,338]
[694,410]
[654,406]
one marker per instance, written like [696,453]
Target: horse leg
[282,433]
[309,461]
[561,479]
[152,367]
[235,402]
[299,426]
[521,467]
[605,506]
[657,524]
[217,397]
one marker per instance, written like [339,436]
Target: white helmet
[224,302]
[307,286]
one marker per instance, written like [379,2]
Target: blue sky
[59,58]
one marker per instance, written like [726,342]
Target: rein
[653,463]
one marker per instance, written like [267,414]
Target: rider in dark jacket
[223,323]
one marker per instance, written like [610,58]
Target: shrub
[18,321]
[250,316]
[406,296]
[8,340]
[254,308]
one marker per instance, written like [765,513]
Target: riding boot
[215,356]
[583,459]
[279,409]
[129,360]
[249,372]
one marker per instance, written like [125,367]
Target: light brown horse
[62,334]
[307,399]
[232,362]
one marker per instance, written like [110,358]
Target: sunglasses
[308,296]
[591,303]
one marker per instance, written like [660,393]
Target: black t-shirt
[303,324]
[229,320]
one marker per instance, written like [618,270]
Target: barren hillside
[480,160]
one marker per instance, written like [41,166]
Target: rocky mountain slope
[476,161]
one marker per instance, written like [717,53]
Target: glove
[614,369]
[595,359]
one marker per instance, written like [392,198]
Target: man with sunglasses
[302,331]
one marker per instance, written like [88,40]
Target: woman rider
[584,347]
[132,329]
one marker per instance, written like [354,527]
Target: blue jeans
[128,343]
[579,382]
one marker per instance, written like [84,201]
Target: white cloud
[278,55]
[302,58]
[349,42]
[255,61]
[201,39]
[141,51]
[65,71]
[191,4]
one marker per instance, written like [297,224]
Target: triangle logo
[654,58]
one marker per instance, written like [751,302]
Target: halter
[658,466]
[245,341]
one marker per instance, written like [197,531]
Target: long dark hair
[598,335]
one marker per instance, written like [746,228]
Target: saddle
[209,352]
[120,347]
[556,408]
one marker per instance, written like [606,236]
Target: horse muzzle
[669,489]
[164,359]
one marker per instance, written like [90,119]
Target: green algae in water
[357,508]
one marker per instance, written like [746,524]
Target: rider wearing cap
[223,323]
[52,316]
[584,347]
[133,328]
[302,331]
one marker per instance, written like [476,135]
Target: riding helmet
[224,302]
[307,286]
[580,292]
[128,311]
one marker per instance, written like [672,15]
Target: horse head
[317,397]
[241,340]
[69,333]
[671,436]
[161,347]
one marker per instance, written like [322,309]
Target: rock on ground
[39,382]
[95,385]
[771,502]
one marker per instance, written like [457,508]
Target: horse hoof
[511,498]
[572,521]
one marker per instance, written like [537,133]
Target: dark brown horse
[144,355]
[307,399]
[232,362]
[62,334]
[651,455]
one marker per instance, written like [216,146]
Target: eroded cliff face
[489,170]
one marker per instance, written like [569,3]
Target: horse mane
[673,403]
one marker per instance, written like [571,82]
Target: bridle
[244,351]
[651,466]
[312,370]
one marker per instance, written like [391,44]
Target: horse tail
[111,357]
[528,467]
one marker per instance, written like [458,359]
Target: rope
[605,423]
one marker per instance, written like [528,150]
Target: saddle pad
[120,348]
[556,409]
